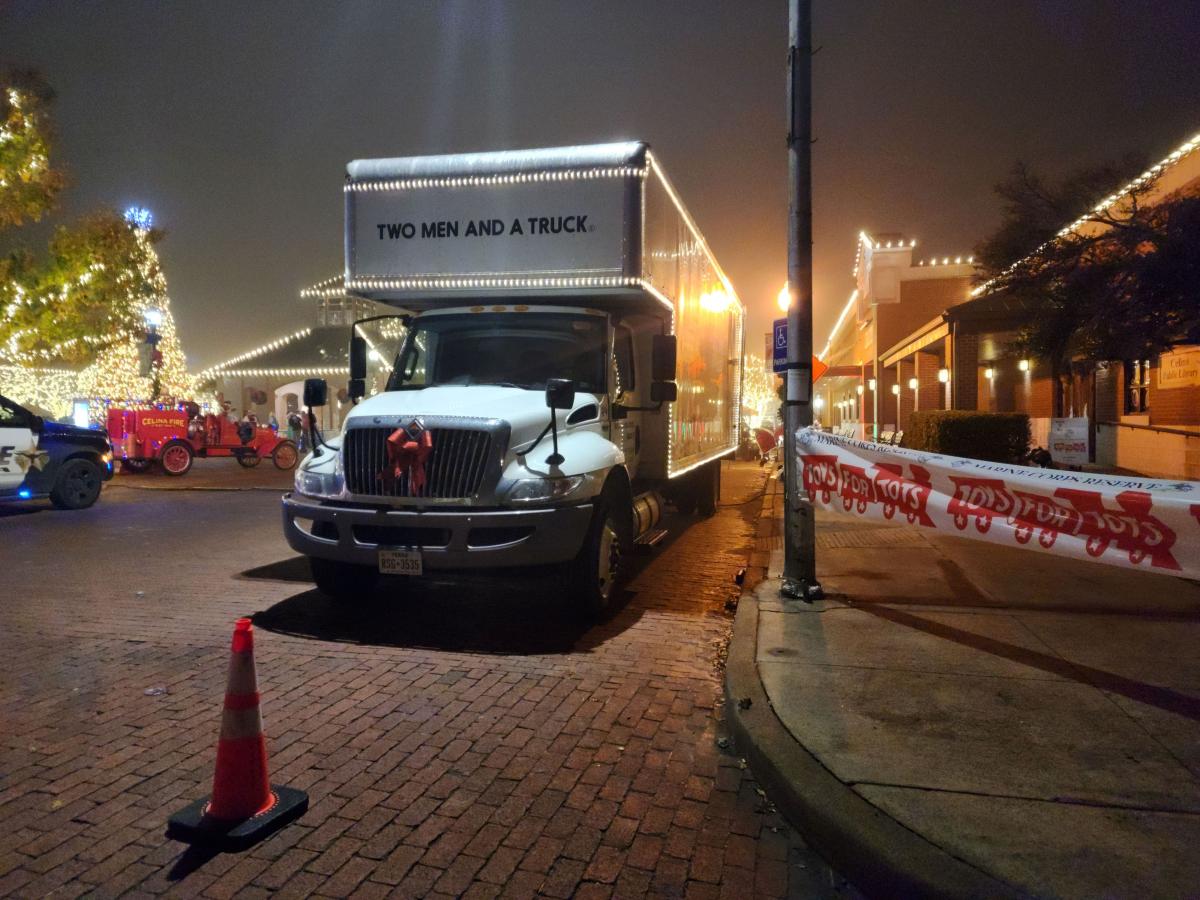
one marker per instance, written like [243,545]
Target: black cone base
[191,826]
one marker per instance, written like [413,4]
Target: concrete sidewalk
[959,718]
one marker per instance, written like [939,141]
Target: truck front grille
[454,469]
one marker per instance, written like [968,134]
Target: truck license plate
[400,562]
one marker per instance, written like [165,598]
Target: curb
[873,851]
[146,487]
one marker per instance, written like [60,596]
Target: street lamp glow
[912,383]
[1023,365]
[784,299]
[989,373]
[153,316]
[871,383]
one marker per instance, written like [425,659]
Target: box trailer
[569,353]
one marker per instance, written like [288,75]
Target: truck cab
[40,458]
[519,421]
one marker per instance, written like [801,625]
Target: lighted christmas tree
[75,320]
[116,375]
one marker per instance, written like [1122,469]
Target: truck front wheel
[342,581]
[77,485]
[708,488]
[594,575]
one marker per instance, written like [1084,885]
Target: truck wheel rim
[175,459]
[81,484]
[609,560]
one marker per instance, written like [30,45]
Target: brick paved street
[456,738]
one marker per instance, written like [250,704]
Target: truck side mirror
[560,393]
[662,357]
[316,392]
[357,389]
[358,358]
[663,392]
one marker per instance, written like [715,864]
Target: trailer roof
[623,153]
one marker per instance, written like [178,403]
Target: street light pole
[800,563]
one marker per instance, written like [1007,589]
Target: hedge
[996,437]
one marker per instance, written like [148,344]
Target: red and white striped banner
[1128,521]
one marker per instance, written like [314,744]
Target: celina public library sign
[1179,368]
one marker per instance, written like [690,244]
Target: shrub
[996,437]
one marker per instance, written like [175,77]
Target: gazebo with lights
[270,378]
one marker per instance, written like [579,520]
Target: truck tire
[342,581]
[77,485]
[594,575]
[708,488]
[683,495]
[176,457]
[136,466]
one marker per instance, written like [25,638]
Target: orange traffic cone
[244,807]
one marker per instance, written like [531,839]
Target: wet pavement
[457,737]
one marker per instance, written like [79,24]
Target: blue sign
[779,346]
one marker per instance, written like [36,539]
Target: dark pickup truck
[39,458]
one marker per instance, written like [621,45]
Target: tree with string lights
[92,302]
[29,184]
[1117,283]
[97,299]
[142,319]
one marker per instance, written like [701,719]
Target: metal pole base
[799,589]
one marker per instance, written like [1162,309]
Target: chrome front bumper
[457,539]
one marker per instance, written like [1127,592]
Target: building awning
[930,333]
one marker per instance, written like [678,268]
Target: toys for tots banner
[1136,523]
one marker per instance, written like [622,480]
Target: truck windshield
[514,349]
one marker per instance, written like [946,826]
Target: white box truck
[569,354]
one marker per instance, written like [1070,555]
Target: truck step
[651,538]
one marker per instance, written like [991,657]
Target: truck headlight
[545,490]
[319,484]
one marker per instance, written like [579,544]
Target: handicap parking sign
[779,346]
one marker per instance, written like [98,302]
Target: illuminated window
[1137,386]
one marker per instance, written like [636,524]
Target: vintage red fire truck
[173,438]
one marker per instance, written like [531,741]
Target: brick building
[1143,414]
[893,299]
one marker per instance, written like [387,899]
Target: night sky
[233,121]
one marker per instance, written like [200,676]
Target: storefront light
[896,389]
[871,384]
[943,375]
[859,390]
[989,373]
[1023,365]
[912,383]
[818,402]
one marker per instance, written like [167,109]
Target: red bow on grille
[406,454]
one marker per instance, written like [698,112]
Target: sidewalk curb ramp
[873,851]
